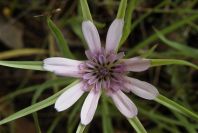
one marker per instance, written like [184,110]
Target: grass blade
[54,123]
[38,106]
[47,84]
[185,50]
[175,106]
[72,119]
[137,125]
[166,30]
[62,44]
[21,52]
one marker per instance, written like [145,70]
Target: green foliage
[164,31]
[139,128]
[62,44]
[183,49]
[128,18]
[173,80]
[36,107]
[175,106]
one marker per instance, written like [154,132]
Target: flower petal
[69,97]
[114,35]
[142,89]
[124,104]
[137,64]
[91,36]
[62,66]
[89,107]
[61,61]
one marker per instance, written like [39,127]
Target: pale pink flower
[105,70]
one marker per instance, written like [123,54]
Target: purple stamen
[104,70]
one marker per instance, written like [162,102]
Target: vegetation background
[154,29]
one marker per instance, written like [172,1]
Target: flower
[105,70]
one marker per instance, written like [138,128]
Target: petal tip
[84,122]
[58,109]
[114,35]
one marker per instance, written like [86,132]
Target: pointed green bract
[175,106]
[122,9]
[38,106]
[85,10]
[137,125]
[128,18]
[62,44]
[80,128]
[31,65]
[160,62]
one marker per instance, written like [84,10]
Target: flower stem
[137,125]
[175,106]
[80,128]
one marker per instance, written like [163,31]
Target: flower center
[103,70]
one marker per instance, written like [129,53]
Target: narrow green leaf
[175,106]
[47,84]
[106,120]
[80,128]
[38,106]
[160,62]
[85,10]
[35,115]
[137,125]
[36,122]
[122,9]
[149,52]
[21,52]
[31,65]
[128,18]
[55,123]
[146,14]
[129,27]
[164,31]
[72,119]
[188,125]
[158,116]
[186,50]
[62,44]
